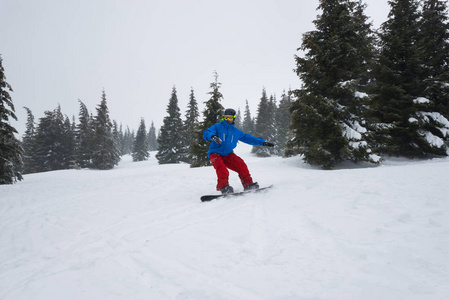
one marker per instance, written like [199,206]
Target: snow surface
[360,95]
[139,231]
[421,100]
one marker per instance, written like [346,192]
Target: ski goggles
[229,117]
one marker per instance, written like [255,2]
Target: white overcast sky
[58,51]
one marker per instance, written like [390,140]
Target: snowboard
[206,198]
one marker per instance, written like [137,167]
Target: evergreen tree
[434,47]
[84,136]
[400,87]
[248,125]
[434,50]
[28,144]
[238,119]
[116,135]
[10,149]
[121,137]
[50,152]
[106,154]
[128,141]
[265,124]
[43,142]
[211,115]
[141,146]
[190,125]
[283,122]
[171,147]
[272,129]
[327,123]
[68,144]
[152,138]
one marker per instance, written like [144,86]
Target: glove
[216,139]
[268,144]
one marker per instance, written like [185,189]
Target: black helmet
[229,112]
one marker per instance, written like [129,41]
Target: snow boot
[251,187]
[227,190]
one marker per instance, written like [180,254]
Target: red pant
[233,162]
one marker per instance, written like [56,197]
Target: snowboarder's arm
[209,132]
[249,139]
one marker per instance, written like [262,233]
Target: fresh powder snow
[140,232]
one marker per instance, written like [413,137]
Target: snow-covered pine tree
[152,138]
[190,125]
[238,119]
[84,136]
[105,153]
[283,121]
[50,139]
[398,105]
[10,149]
[211,115]
[141,146]
[43,142]
[434,41]
[116,134]
[272,132]
[265,124]
[434,50]
[327,126]
[248,122]
[127,141]
[123,137]
[171,148]
[69,144]
[28,144]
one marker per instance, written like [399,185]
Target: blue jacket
[229,136]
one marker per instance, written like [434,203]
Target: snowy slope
[140,232]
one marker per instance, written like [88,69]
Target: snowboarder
[224,137]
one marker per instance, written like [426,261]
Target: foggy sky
[57,51]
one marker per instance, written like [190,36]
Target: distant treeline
[57,142]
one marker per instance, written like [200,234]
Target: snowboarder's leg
[236,164]
[220,168]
